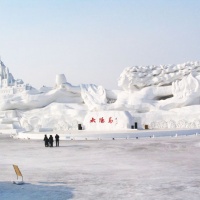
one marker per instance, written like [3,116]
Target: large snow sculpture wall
[163,97]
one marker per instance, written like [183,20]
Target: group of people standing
[48,142]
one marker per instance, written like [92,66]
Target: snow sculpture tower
[8,85]
[6,78]
[60,79]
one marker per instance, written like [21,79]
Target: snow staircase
[9,122]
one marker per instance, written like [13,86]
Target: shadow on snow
[42,191]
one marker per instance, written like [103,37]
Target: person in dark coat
[46,141]
[51,141]
[57,140]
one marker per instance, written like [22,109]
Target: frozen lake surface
[140,169]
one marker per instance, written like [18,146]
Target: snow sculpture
[6,77]
[92,95]
[159,87]
[185,92]
[8,84]
[197,123]
[140,76]
[165,96]
[60,79]
[171,124]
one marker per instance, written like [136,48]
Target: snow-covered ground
[103,135]
[141,169]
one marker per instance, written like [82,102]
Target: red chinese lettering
[110,120]
[93,120]
[101,120]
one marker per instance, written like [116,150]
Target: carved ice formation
[165,96]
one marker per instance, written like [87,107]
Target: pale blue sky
[93,41]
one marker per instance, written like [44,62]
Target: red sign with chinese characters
[102,120]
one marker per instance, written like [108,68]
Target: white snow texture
[162,97]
